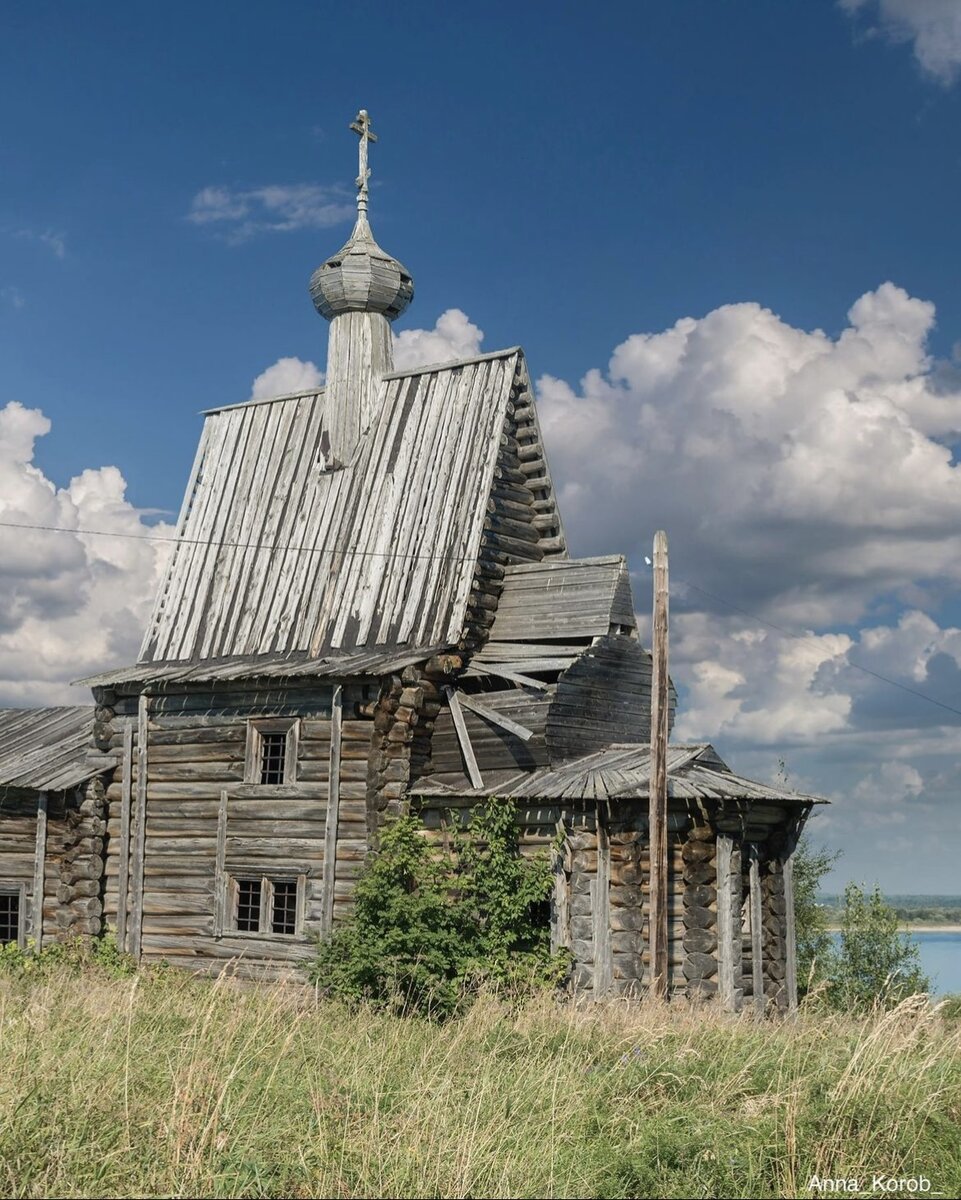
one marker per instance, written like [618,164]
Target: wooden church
[371,607]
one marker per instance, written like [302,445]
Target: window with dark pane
[284,916]
[9,917]
[248,905]
[273,757]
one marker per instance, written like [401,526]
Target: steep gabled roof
[278,557]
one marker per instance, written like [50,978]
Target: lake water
[940,955]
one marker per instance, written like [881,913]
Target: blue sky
[570,177]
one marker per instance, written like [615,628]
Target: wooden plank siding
[204,823]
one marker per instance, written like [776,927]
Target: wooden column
[333,812]
[123,865]
[135,933]
[39,861]
[725,924]
[790,939]
[220,868]
[601,911]
[757,935]
[658,782]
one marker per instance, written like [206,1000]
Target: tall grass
[169,1086]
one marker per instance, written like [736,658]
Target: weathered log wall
[195,757]
[71,845]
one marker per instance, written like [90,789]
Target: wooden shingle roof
[277,557]
[48,749]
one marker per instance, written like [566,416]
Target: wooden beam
[463,737]
[601,912]
[123,866]
[514,676]
[220,868]
[660,708]
[495,717]
[725,924]
[333,812]
[140,836]
[39,860]
[757,918]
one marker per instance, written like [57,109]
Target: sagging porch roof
[694,772]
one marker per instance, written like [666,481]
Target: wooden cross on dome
[361,126]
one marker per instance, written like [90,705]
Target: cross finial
[361,126]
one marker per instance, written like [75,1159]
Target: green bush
[875,962]
[814,949]
[429,929]
[76,954]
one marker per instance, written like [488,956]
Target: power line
[395,554]
[800,637]
[185,541]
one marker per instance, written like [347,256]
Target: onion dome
[361,277]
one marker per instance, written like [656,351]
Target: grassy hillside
[164,1086]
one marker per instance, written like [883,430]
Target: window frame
[18,889]
[267,879]
[256,728]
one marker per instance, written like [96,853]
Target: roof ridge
[430,368]
[314,391]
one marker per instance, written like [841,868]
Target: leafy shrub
[814,949]
[77,954]
[429,929]
[875,962]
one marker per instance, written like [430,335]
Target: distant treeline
[932,910]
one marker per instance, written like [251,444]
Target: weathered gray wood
[790,939]
[140,834]
[463,738]
[601,914]
[757,918]
[496,718]
[220,872]
[658,778]
[40,857]
[333,814]
[725,924]
[514,676]
[123,865]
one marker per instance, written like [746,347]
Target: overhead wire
[452,558]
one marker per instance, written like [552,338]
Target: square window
[266,904]
[9,917]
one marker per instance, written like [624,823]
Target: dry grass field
[167,1086]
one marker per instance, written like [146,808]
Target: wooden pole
[658,786]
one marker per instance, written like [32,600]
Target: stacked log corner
[700,912]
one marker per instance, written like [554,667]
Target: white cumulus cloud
[74,602]
[454,336]
[932,26]
[287,375]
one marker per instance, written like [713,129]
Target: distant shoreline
[912,927]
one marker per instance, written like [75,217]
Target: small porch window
[270,905]
[271,751]
[11,914]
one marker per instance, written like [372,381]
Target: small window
[273,757]
[10,911]
[271,752]
[266,904]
